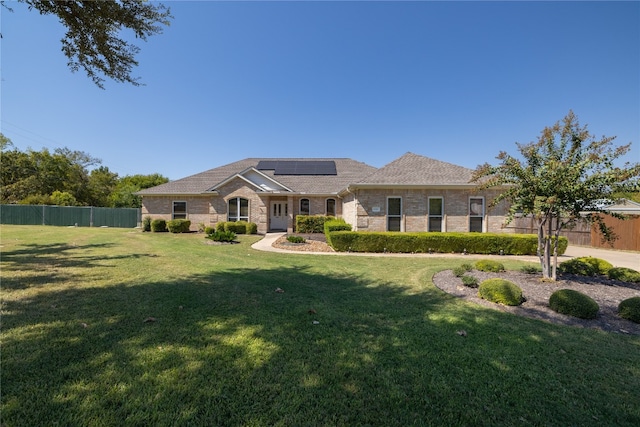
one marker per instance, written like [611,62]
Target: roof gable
[347,171]
[415,170]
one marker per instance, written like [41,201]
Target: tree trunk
[543,251]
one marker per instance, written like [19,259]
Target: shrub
[500,291]
[470,281]
[624,274]
[489,265]
[630,309]
[577,266]
[459,271]
[311,223]
[333,225]
[531,269]
[252,228]
[179,225]
[146,223]
[159,225]
[222,236]
[238,227]
[479,243]
[296,239]
[573,303]
[209,230]
[467,267]
[600,265]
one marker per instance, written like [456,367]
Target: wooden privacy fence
[628,232]
[81,216]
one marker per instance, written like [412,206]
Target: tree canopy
[94,40]
[567,175]
[62,177]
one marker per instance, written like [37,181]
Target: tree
[566,176]
[93,40]
[123,196]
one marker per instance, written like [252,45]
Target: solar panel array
[299,167]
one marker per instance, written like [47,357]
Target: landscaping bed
[606,292]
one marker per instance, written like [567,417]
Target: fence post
[91,217]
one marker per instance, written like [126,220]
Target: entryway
[278,215]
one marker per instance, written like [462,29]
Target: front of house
[412,193]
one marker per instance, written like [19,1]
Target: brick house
[412,193]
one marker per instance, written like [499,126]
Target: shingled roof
[415,170]
[347,171]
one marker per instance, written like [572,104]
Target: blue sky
[455,81]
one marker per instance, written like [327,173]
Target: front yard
[119,327]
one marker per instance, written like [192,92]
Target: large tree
[566,176]
[94,40]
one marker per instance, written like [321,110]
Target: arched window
[304,207]
[331,207]
[238,209]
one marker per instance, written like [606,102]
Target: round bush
[573,303]
[601,266]
[624,274]
[159,225]
[577,266]
[500,291]
[630,309]
[489,265]
[469,281]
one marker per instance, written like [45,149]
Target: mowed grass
[223,348]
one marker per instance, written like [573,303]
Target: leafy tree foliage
[93,41]
[566,176]
[62,178]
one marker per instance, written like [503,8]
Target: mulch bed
[607,293]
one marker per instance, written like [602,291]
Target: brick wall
[161,207]
[371,206]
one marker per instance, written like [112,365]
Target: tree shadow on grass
[46,264]
[226,348]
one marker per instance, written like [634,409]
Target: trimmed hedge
[146,223]
[159,225]
[337,224]
[478,243]
[573,303]
[312,223]
[237,227]
[179,225]
[500,291]
[630,309]
[624,274]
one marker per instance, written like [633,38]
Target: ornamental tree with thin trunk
[565,177]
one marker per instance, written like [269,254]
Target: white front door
[278,217]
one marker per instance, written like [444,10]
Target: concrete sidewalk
[617,258]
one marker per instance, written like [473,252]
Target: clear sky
[455,81]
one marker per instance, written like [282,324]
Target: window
[304,207]
[238,209]
[331,207]
[436,213]
[476,214]
[179,210]
[394,213]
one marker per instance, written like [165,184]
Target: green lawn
[226,349]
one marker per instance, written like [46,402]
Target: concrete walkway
[617,258]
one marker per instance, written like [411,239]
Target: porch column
[290,215]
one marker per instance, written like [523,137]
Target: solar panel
[299,167]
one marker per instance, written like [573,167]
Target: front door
[279,215]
